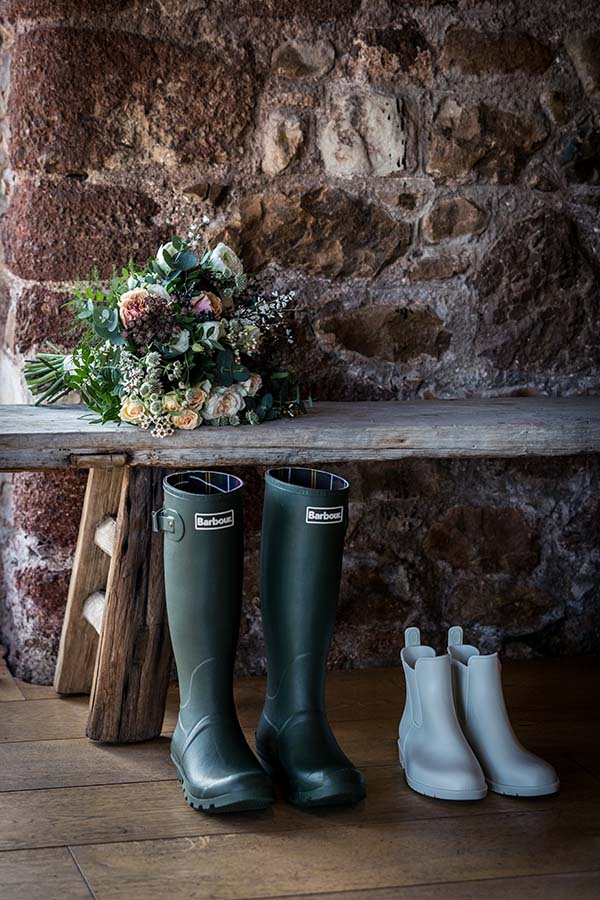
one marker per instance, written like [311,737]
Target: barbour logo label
[212,521]
[324,515]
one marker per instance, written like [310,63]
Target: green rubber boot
[203,551]
[304,522]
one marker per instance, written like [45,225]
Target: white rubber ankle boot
[508,767]
[434,753]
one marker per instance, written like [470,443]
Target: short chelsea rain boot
[508,767]
[203,554]
[304,524]
[434,753]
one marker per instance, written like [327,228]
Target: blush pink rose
[132,305]
[207,303]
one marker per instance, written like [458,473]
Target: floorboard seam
[82,874]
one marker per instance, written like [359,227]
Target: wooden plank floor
[83,820]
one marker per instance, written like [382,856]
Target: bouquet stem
[46,377]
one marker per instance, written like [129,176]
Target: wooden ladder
[115,643]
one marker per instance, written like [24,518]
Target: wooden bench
[115,642]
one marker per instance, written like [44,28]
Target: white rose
[131,410]
[182,342]
[160,256]
[252,385]
[158,291]
[224,260]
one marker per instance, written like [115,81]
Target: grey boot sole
[235,801]
[514,790]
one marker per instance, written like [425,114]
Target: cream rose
[252,385]
[187,419]
[133,304]
[131,410]
[171,403]
[197,394]
[223,402]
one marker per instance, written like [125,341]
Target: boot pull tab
[455,636]
[412,637]
[169,521]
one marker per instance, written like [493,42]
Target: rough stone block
[492,142]
[394,334]
[384,54]
[61,230]
[584,50]
[41,317]
[453,218]
[484,53]
[488,539]
[539,299]
[580,153]
[302,10]
[363,134]
[436,268]
[283,138]
[324,231]
[59,9]
[303,59]
[146,98]
[48,506]
[62,119]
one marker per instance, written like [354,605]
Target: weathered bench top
[53,437]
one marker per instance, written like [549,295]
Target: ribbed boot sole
[236,801]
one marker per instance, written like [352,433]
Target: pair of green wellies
[304,522]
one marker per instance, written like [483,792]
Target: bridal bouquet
[174,345]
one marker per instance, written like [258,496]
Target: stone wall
[426,175]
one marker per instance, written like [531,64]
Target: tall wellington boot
[203,551]
[434,753]
[508,767]
[304,523]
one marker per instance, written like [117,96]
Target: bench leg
[134,655]
[79,641]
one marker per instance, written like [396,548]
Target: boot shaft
[202,519]
[305,518]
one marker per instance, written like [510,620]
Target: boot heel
[177,769]
[267,766]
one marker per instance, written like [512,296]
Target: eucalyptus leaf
[184,261]
[225,367]
[240,373]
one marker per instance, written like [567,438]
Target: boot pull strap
[412,637]
[169,521]
[455,636]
